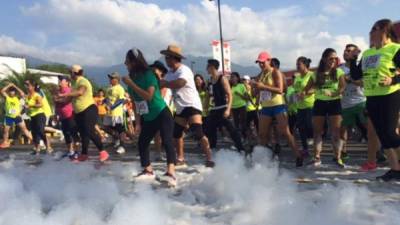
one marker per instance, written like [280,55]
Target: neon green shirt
[329,86]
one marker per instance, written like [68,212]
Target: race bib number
[12,112]
[142,107]
[371,62]
[265,96]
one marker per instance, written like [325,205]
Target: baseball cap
[263,57]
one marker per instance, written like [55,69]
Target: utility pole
[221,37]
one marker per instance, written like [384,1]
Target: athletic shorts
[12,121]
[189,112]
[354,113]
[273,110]
[327,108]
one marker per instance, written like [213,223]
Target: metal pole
[221,38]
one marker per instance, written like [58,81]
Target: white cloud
[100,31]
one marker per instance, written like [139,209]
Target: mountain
[99,73]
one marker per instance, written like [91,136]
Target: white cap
[246,77]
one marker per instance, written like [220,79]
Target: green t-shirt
[149,110]
[329,86]
[237,91]
[291,101]
[299,84]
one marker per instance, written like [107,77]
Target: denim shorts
[273,110]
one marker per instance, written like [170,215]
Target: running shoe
[4,145]
[145,176]
[120,150]
[339,163]
[345,156]
[103,156]
[368,166]
[380,157]
[169,179]
[209,163]
[180,163]
[81,158]
[389,176]
[316,162]
[299,161]
[49,150]
[34,152]
[117,143]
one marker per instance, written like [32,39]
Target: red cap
[263,56]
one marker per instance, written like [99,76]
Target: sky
[99,32]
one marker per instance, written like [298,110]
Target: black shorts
[189,112]
[327,108]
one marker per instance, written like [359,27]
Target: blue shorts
[273,110]
[12,121]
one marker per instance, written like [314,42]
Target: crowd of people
[166,103]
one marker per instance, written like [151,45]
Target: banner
[216,48]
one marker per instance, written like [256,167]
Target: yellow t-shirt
[115,93]
[101,107]
[31,101]
[84,101]
[267,98]
[12,107]
[46,107]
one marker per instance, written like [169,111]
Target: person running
[221,110]
[85,113]
[377,69]
[201,87]
[114,119]
[305,102]
[65,112]
[12,109]
[353,100]
[160,71]
[34,105]
[152,114]
[101,106]
[252,111]
[329,84]
[270,85]
[239,102]
[187,102]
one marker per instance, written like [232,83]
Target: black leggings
[86,122]
[304,123]
[70,130]
[215,119]
[38,122]
[384,113]
[252,116]
[163,123]
[240,120]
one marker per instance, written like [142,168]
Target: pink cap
[263,56]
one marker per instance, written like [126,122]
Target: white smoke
[234,192]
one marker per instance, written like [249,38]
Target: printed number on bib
[12,111]
[265,96]
[371,62]
[142,107]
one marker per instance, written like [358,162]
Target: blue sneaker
[73,155]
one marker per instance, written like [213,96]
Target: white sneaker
[120,150]
[117,143]
[169,179]
[145,176]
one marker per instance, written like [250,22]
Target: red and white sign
[216,48]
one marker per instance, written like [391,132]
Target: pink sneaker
[103,156]
[4,145]
[368,166]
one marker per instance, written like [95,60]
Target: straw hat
[173,50]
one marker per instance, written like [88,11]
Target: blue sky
[50,30]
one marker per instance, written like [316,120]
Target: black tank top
[219,93]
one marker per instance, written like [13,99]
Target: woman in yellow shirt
[86,113]
[271,85]
[34,105]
